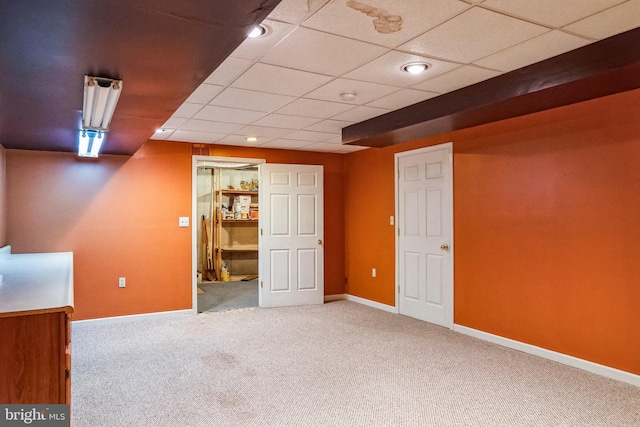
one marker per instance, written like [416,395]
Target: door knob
[319,241]
[444,247]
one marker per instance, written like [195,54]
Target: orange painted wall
[119,216]
[547,239]
[334,175]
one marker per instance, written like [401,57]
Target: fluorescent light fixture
[89,142]
[100,98]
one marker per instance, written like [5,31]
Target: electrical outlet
[183,221]
[391,220]
[373,272]
[122,282]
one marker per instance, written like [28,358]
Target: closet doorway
[226,217]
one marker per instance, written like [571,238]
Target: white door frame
[194,214]
[396,162]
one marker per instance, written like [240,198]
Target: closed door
[425,251]
[292,233]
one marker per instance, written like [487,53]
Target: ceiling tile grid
[287,88]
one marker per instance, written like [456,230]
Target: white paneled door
[425,234]
[292,233]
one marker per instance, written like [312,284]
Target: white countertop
[33,283]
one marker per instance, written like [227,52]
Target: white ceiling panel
[360,114]
[279,80]
[209,126]
[610,22]
[365,92]
[322,53]
[460,77]
[383,22]
[186,110]
[192,136]
[330,126]
[314,108]
[228,71]
[551,12]
[284,88]
[387,69]
[296,11]
[401,99]
[305,135]
[251,100]
[204,93]
[473,35]
[224,114]
[264,131]
[286,121]
[533,50]
[253,48]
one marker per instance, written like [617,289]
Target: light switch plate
[183,221]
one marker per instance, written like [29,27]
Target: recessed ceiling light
[252,139]
[415,67]
[347,96]
[259,31]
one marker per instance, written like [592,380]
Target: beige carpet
[340,364]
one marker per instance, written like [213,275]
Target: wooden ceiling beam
[603,68]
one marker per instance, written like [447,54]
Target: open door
[291,235]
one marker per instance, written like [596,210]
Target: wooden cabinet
[36,302]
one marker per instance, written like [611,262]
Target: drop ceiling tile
[296,11]
[285,144]
[314,108]
[531,51]
[322,53]
[174,123]
[401,99]
[610,22]
[360,113]
[263,131]
[336,139]
[242,141]
[191,136]
[551,12]
[286,121]
[330,126]
[253,48]
[387,69]
[187,110]
[231,115]
[279,80]
[162,134]
[228,71]
[345,149]
[473,35]
[322,147]
[251,100]
[305,135]
[365,91]
[383,22]
[460,77]
[204,93]
[210,126]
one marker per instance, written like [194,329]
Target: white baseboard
[374,304]
[334,297]
[121,319]
[565,359]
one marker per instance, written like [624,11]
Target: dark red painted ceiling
[161,49]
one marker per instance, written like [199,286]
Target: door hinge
[261,231]
[261,284]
